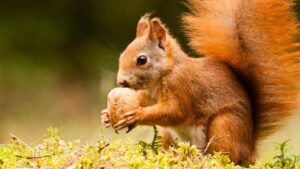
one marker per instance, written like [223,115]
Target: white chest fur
[194,135]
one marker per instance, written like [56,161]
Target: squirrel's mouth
[138,86]
[141,84]
[137,83]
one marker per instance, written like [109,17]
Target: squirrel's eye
[141,60]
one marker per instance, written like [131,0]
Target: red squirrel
[239,92]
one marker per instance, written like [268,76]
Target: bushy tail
[257,38]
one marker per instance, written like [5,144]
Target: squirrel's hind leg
[166,137]
[231,134]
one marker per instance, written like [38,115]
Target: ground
[53,152]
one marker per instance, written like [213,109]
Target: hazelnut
[120,101]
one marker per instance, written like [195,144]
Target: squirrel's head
[148,57]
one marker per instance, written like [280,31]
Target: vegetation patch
[56,153]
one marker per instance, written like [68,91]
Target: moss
[56,153]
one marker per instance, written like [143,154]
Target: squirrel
[230,99]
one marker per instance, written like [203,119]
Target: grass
[53,152]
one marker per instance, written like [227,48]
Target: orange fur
[242,89]
[252,37]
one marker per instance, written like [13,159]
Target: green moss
[56,153]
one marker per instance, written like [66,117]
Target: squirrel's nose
[123,83]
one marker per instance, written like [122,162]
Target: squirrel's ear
[158,32]
[143,26]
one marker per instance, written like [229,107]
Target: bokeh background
[58,61]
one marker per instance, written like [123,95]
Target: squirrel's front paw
[129,119]
[105,118]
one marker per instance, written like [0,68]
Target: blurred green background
[58,61]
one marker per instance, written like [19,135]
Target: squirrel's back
[257,39]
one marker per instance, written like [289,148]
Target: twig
[211,141]
[32,157]
[103,147]
[15,138]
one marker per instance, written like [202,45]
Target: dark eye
[141,60]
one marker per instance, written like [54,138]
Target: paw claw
[129,120]
[130,127]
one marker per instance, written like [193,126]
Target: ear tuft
[158,32]
[143,25]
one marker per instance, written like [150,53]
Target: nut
[120,101]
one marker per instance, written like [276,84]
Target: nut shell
[120,101]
